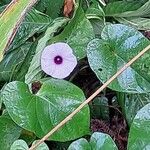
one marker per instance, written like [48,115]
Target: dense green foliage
[103,39]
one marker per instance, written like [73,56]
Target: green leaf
[2,8]
[122,8]
[81,144]
[12,62]
[10,19]
[95,10]
[22,145]
[118,45]
[99,108]
[140,130]
[42,146]
[4,2]
[138,23]
[96,15]
[34,71]
[98,26]
[50,7]
[128,9]
[19,145]
[0,100]
[132,103]
[102,141]
[77,34]
[41,112]
[34,22]
[23,69]
[143,11]
[9,132]
[98,141]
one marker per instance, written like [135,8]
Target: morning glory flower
[58,60]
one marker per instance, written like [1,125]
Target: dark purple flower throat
[58,60]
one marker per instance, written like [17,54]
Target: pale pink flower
[58,60]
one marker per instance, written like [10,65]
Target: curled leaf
[10,20]
[68,7]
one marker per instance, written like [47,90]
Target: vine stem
[69,117]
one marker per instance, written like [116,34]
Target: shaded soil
[117,129]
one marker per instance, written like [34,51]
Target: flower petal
[48,66]
[48,53]
[63,49]
[58,70]
[64,70]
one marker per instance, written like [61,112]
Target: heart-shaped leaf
[118,45]
[98,141]
[19,145]
[41,112]
[140,130]
[102,141]
[81,144]
[22,145]
[129,101]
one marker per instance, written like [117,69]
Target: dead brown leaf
[68,7]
